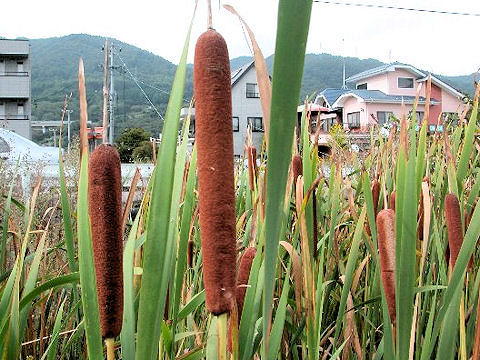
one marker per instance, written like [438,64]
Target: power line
[141,89]
[388,7]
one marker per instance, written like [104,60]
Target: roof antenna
[390,56]
[344,83]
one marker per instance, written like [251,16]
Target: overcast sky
[445,44]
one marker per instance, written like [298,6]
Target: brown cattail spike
[242,277]
[105,210]
[392,200]
[190,246]
[297,167]
[454,226]
[212,90]
[375,195]
[386,247]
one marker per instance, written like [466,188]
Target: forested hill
[55,65]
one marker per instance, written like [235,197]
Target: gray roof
[382,69]
[331,95]
[238,73]
[377,96]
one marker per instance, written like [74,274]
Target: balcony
[9,117]
[15,85]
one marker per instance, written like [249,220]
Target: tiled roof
[382,69]
[377,96]
[331,95]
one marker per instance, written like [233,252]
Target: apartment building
[15,105]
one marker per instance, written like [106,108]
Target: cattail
[375,187]
[386,247]
[214,139]
[454,226]
[375,195]
[105,210]
[297,167]
[242,277]
[392,200]
[190,253]
[252,164]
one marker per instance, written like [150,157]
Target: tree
[129,140]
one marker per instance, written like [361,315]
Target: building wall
[451,103]
[378,82]
[15,88]
[393,88]
[351,105]
[244,107]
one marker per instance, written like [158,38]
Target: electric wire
[390,7]
[140,87]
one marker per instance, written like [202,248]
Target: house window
[362,86]
[252,90]
[353,120]
[235,124]
[20,66]
[383,117]
[20,109]
[255,123]
[405,83]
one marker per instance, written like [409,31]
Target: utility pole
[111,97]
[344,83]
[105,94]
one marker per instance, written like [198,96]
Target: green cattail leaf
[420,166]
[458,274]
[251,308]
[66,218]
[278,323]
[51,351]
[292,31]
[31,281]
[462,167]
[8,202]
[72,278]
[87,267]
[127,336]
[193,304]
[188,206]
[349,272]
[156,262]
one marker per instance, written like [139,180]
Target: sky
[442,44]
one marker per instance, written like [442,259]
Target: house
[15,108]
[378,93]
[246,109]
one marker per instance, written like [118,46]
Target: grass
[318,295]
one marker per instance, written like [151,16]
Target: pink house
[378,93]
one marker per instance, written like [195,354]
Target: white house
[246,109]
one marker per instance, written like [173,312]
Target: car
[14,147]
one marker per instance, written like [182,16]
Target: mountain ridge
[54,66]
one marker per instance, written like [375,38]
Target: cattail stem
[109,344]
[222,336]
